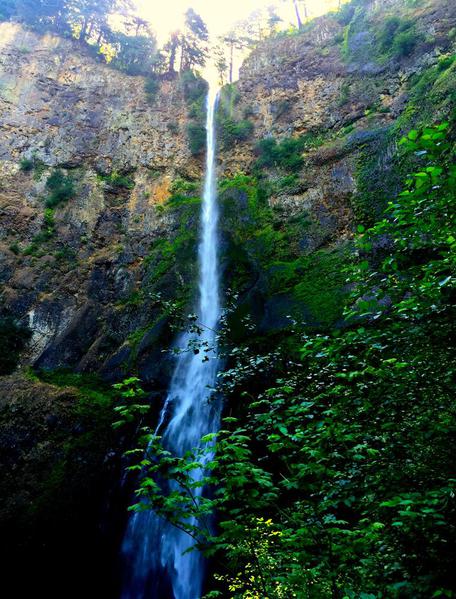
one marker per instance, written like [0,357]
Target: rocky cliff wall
[66,270]
[349,88]
[84,275]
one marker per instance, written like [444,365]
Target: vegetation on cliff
[130,46]
[333,474]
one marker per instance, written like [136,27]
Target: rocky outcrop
[335,86]
[65,273]
[83,275]
[60,474]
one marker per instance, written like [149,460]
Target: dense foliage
[334,474]
[13,338]
[129,46]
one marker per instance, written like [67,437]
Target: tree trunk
[82,35]
[298,16]
[172,56]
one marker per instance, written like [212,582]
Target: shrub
[445,62]
[196,110]
[13,337]
[405,43]
[193,87]
[14,247]
[26,165]
[232,131]
[184,187]
[398,37]
[173,127]
[388,31]
[344,93]
[151,88]
[61,188]
[285,154]
[196,138]
[118,181]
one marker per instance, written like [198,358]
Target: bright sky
[219,15]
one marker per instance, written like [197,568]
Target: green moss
[79,445]
[431,93]
[136,298]
[315,281]
[117,180]
[171,262]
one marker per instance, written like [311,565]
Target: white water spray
[153,549]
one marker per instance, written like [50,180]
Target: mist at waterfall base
[157,566]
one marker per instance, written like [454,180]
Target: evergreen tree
[42,14]
[194,41]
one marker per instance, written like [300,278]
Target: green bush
[118,181]
[398,37]
[61,188]
[14,247]
[34,164]
[26,165]
[13,337]
[151,88]
[173,127]
[405,43]
[344,93]
[286,154]
[232,131]
[196,138]
[194,87]
[184,187]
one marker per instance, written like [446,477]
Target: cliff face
[64,272]
[99,207]
[83,276]
[349,86]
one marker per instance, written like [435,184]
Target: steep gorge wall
[61,109]
[334,85]
[85,281]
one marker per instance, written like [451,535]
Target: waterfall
[153,550]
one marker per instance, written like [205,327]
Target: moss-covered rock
[60,468]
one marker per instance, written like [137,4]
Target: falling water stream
[153,550]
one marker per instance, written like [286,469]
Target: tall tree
[42,14]
[194,42]
[170,49]
[221,62]
[297,11]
